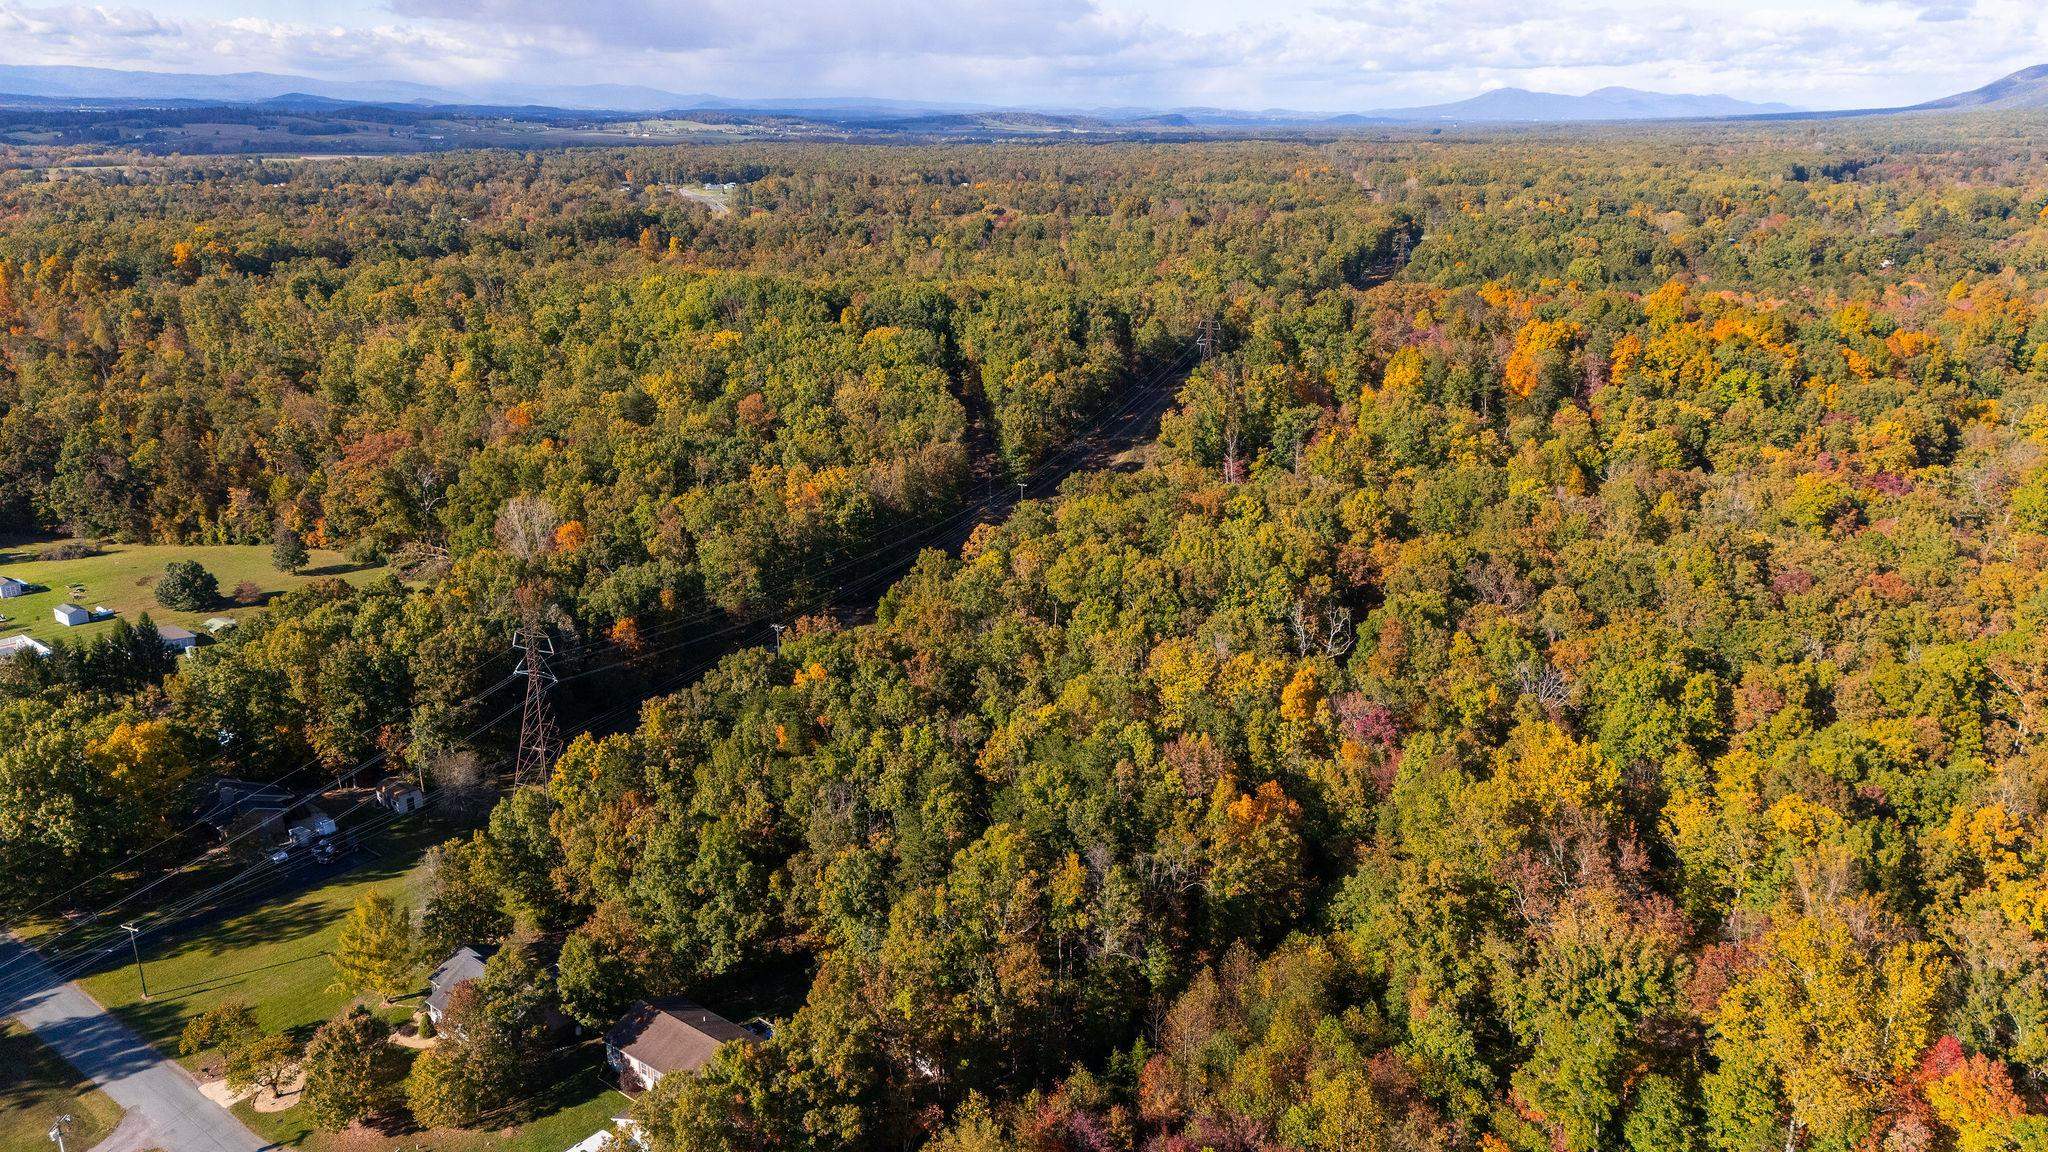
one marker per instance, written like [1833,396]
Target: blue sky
[1308,54]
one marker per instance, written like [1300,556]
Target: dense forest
[1567,674]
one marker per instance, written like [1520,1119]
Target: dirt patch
[261,1099]
[219,1092]
[288,1096]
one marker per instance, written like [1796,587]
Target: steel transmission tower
[539,738]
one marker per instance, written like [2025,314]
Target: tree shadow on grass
[230,979]
[340,569]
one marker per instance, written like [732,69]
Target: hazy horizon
[1310,55]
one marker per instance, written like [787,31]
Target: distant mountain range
[57,83]
[39,86]
[1518,105]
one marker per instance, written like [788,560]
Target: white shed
[177,639]
[71,615]
[10,588]
[15,645]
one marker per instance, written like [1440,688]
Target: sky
[1313,55]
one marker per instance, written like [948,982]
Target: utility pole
[778,635]
[57,1131]
[134,934]
[538,736]
[1205,337]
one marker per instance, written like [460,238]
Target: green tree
[187,586]
[605,965]
[264,1062]
[288,549]
[464,907]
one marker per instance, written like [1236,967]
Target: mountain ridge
[58,86]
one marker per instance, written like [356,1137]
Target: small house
[14,646]
[179,640]
[654,1040]
[238,803]
[401,795]
[465,965]
[10,588]
[71,615]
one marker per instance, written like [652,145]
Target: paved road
[163,1103]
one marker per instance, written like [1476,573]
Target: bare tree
[1329,632]
[465,788]
[526,528]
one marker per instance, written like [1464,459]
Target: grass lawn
[37,1086]
[274,955]
[120,577]
[566,1111]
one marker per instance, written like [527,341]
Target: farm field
[121,576]
[37,1087]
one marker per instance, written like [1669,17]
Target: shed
[215,625]
[401,795]
[10,588]
[655,1039]
[181,640]
[15,645]
[465,965]
[71,615]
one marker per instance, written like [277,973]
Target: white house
[654,1040]
[179,640]
[10,588]
[71,615]
[15,645]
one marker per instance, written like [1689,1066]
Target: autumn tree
[378,949]
[350,1070]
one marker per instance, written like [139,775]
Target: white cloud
[1317,54]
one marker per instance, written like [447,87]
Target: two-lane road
[172,1114]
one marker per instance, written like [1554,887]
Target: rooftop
[674,1035]
[466,964]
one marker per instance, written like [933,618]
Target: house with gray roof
[465,965]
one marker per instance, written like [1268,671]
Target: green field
[274,955]
[121,575]
[37,1087]
[275,958]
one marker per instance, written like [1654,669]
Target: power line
[540,737]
